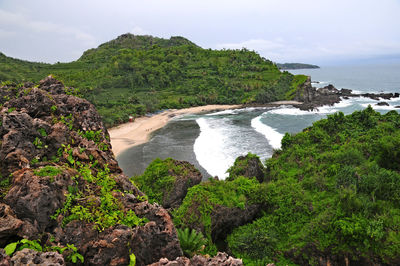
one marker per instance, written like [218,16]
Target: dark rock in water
[344,91]
[377,96]
[247,166]
[397,106]
[382,104]
[313,97]
[52,145]
[220,259]
[33,257]
[371,96]
[182,183]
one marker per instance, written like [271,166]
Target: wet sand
[138,132]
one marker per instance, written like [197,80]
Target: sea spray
[274,137]
[211,150]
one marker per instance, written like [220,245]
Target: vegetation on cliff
[330,195]
[214,207]
[62,189]
[333,195]
[132,75]
[167,181]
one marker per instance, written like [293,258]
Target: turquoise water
[213,141]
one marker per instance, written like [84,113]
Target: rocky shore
[312,97]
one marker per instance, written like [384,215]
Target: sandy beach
[139,131]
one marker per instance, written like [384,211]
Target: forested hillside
[132,75]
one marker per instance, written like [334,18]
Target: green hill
[296,66]
[132,75]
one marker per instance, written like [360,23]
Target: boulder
[4,258]
[221,258]
[315,97]
[382,104]
[9,224]
[33,257]
[345,92]
[225,219]
[190,176]
[167,181]
[247,166]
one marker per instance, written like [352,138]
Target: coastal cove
[256,128]
[200,133]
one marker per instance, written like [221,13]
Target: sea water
[213,141]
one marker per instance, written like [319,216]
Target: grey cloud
[282,30]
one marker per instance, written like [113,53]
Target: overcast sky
[310,31]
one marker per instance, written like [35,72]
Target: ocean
[213,141]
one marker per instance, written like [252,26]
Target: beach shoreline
[139,131]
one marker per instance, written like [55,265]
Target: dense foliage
[331,194]
[197,208]
[132,75]
[191,241]
[334,194]
[158,179]
[247,166]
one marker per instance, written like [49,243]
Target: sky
[310,31]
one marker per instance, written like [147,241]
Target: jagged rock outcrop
[247,166]
[225,219]
[33,257]
[4,258]
[313,98]
[221,258]
[56,161]
[167,181]
[188,177]
[382,104]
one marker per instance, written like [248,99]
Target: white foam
[392,100]
[274,137]
[236,111]
[295,111]
[211,150]
[344,103]
[225,112]
[379,107]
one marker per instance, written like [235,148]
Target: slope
[132,75]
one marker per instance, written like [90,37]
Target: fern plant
[191,241]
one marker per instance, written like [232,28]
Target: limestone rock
[221,259]
[33,257]
[46,137]
[247,166]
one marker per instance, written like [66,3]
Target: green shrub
[191,241]
[198,205]
[48,170]
[158,179]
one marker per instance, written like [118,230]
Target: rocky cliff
[313,98]
[61,186]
